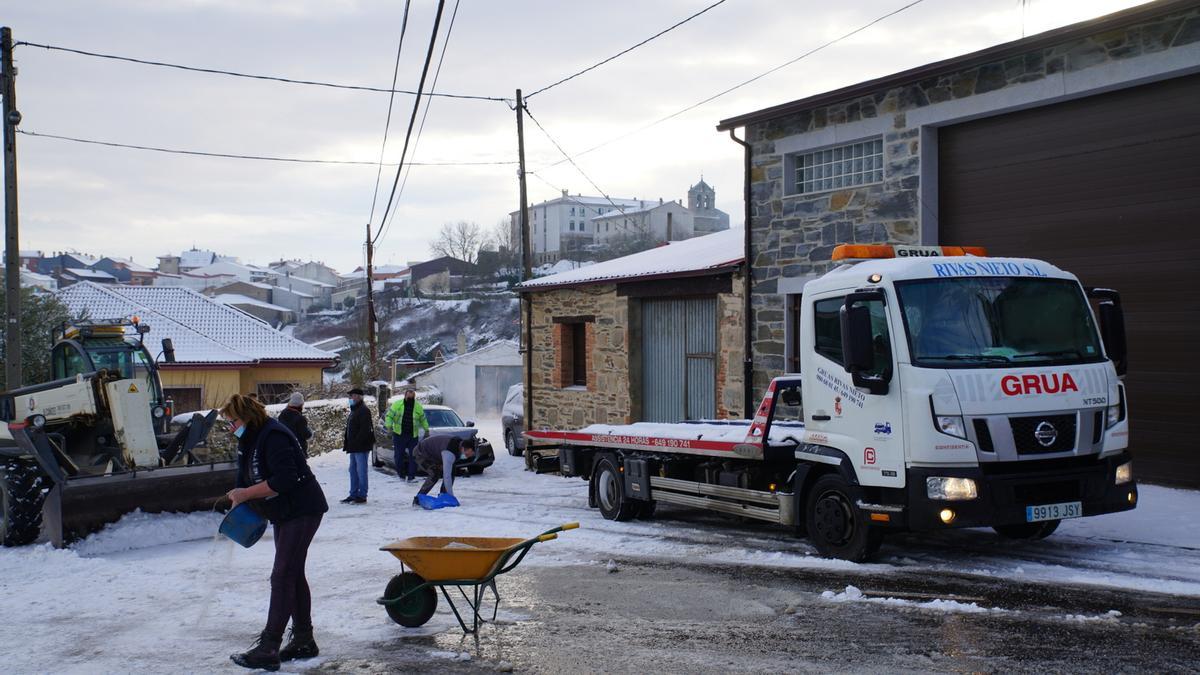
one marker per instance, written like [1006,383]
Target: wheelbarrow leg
[462,624]
[491,585]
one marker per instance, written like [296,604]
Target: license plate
[1053,511]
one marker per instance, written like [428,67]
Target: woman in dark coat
[273,475]
[293,418]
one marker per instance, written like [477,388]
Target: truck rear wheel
[610,492]
[835,525]
[22,493]
[1028,530]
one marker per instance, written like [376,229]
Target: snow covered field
[160,593]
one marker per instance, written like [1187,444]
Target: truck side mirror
[858,343]
[168,348]
[1112,326]
[1112,331]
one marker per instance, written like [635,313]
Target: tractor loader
[93,443]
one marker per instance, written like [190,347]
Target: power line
[739,85]
[250,76]
[261,158]
[625,51]
[437,22]
[387,125]
[437,73]
[538,124]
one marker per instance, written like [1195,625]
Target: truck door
[864,426]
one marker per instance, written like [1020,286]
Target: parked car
[512,416]
[442,421]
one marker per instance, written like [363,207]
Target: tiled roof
[679,258]
[203,330]
[194,258]
[89,274]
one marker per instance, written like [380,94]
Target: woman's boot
[264,655]
[300,646]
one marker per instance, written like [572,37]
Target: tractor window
[68,362]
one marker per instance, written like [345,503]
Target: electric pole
[370,299]
[526,265]
[12,246]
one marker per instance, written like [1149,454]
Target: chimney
[564,193]
[660,201]
[462,343]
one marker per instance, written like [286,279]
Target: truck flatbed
[719,438]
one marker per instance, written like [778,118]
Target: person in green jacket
[405,419]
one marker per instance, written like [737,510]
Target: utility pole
[370,299]
[526,265]
[12,245]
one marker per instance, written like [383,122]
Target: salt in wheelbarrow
[462,562]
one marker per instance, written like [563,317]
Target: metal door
[679,360]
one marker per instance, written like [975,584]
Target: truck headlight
[1124,473]
[950,489]
[951,424]
[1114,415]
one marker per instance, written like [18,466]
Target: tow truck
[939,388]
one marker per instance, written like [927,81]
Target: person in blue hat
[274,477]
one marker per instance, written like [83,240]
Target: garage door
[679,360]
[491,387]
[1107,187]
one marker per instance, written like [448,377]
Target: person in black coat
[273,476]
[360,440]
[293,418]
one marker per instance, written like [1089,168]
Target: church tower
[701,197]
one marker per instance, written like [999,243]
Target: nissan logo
[1046,434]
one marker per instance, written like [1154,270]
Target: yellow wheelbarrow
[462,562]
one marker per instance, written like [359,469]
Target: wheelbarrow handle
[547,537]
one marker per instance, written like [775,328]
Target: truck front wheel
[22,494]
[835,525]
[1028,530]
[610,492]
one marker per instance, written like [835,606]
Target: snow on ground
[161,592]
[853,594]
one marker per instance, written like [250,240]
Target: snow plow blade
[84,504]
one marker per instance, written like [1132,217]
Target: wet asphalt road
[664,617]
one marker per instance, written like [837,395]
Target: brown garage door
[1107,187]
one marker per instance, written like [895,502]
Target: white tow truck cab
[939,388]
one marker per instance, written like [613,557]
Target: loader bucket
[81,505]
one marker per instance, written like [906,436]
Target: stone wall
[793,236]
[613,392]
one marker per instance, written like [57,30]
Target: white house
[560,226]
[661,222]
[475,383]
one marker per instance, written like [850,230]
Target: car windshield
[443,418]
[997,322]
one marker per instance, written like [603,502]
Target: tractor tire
[835,525]
[610,492]
[22,492]
[1031,531]
[417,608]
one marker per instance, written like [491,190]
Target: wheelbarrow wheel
[417,608]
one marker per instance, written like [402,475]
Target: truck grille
[1032,435]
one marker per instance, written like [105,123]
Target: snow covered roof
[226,267]
[205,332]
[489,347]
[236,299]
[90,274]
[130,265]
[680,258]
[629,212]
[197,258]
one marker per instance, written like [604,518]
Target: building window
[838,167]
[573,357]
[185,399]
[572,210]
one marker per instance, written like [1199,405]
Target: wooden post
[527,268]
[371,303]
[12,245]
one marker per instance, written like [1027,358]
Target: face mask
[351,401]
[239,431]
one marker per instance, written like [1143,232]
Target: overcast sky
[132,203]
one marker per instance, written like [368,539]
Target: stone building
[1076,146]
[706,217]
[661,222]
[654,336]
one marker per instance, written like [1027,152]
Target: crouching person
[273,474]
[436,456]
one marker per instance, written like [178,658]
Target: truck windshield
[997,322]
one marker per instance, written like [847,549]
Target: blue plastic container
[244,525]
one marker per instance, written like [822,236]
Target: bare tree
[460,240]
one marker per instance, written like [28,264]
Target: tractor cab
[89,347]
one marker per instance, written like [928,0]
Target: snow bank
[139,530]
[853,594]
